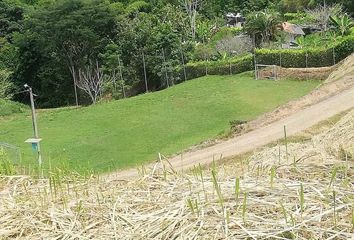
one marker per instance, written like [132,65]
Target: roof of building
[292,28]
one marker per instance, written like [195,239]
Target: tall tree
[191,7]
[73,32]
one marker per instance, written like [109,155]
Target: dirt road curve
[294,123]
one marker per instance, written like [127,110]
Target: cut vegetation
[294,191]
[132,131]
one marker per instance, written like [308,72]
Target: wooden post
[254,57]
[280,63]
[145,77]
[184,67]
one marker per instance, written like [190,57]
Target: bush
[299,58]
[6,86]
[9,107]
[6,167]
[289,58]
[221,67]
[224,32]
[344,48]
[310,57]
[299,18]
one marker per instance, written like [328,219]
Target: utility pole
[34,123]
[145,77]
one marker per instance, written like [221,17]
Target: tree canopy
[47,43]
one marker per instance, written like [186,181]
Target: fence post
[306,65]
[280,64]
[255,65]
[145,77]
[184,66]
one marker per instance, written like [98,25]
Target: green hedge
[290,58]
[300,58]
[222,67]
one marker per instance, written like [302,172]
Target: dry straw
[160,206]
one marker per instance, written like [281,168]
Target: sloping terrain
[304,192]
[344,71]
[130,132]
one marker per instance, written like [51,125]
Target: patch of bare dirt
[321,73]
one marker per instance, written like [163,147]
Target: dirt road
[294,123]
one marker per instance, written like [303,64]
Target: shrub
[344,48]
[235,46]
[202,52]
[9,107]
[221,67]
[6,86]
[6,167]
[299,18]
[289,58]
[224,32]
[298,58]
[310,57]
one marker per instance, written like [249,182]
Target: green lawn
[132,131]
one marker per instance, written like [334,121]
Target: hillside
[295,191]
[130,132]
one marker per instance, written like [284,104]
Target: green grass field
[130,132]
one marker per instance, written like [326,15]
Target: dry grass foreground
[293,191]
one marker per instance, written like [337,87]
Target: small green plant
[302,199]
[333,176]
[284,211]
[202,179]
[6,167]
[237,188]
[344,155]
[193,205]
[244,207]
[217,188]
[334,209]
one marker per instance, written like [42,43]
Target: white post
[34,124]
[145,77]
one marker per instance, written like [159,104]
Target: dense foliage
[138,45]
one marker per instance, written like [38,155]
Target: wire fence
[10,153]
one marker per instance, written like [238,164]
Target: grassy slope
[131,131]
